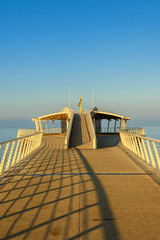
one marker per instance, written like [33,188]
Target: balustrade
[147,149]
[13,151]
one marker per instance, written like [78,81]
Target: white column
[40,124]
[124,124]
[67,124]
[121,125]
[37,124]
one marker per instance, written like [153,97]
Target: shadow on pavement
[53,198]
[107,140]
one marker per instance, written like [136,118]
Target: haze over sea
[11,133]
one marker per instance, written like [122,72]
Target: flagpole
[92,96]
[69,99]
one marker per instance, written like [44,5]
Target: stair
[81,136]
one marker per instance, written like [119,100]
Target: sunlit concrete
[79,194]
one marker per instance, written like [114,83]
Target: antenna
[69,98]
[92,96]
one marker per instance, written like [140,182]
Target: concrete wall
[107,140]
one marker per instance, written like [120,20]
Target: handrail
[148,149]
[13,151]
[139,131]
[25,132]
[52,130]
[68,132]
[2,143]
[93,131]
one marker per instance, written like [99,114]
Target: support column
[115,126]
[100,125]
[120,126]
[40,125]
[37,124]
[108,126]
[67,124]
[63,125]
[46,126]
[123,124]
[53,126]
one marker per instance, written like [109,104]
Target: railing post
[16,153]
[151,155]
[128,141]
[132,144]
[24,148]
[30,146]
[15,150]
[141,146]
[157,155]
[141,150]
[138,147]
[145,151]
[4,157]
[20,151]
[27,147]
[10,156]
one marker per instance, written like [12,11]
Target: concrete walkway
[79,194]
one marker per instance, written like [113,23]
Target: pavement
[79,194]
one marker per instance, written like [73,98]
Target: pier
[80,183]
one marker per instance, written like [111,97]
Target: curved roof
[63,115]
[105,115]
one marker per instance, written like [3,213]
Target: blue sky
[47,47]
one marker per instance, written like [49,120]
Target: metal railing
[13,151]
[25,132]
[138,131]
[147,149]
[52,130]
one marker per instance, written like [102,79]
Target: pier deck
[79,194]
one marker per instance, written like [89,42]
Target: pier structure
[64,116]
[98,115]
[80,182]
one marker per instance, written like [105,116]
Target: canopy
[65,114]
[105,115]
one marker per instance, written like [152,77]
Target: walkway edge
[143,165]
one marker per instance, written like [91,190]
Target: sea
[7,134]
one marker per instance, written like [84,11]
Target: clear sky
[49,46]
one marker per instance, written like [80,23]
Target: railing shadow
[64,201]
